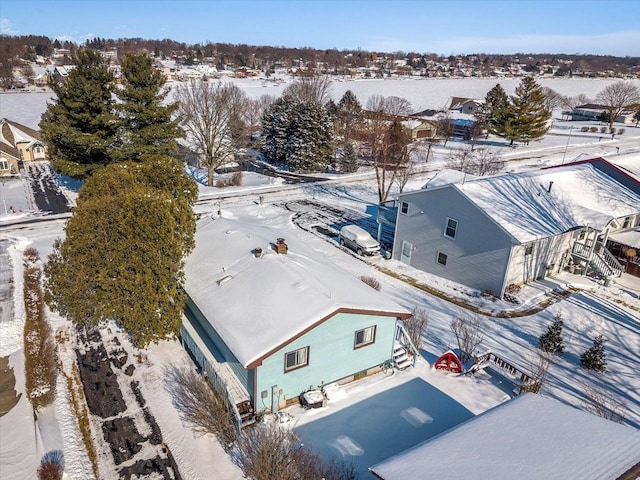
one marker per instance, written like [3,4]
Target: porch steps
[600,260]
[400,358]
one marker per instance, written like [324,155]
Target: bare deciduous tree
[267,451]
[539,363]
[254,108]
[469,333]
[478,162]
[51,466]
[403,175]
[206,112]
[576,101]
[199,404]
[604,404]
[552,99]
[416,326]
[616,97]
[397,106]
[310,88]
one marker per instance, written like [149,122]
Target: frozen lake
[26,108]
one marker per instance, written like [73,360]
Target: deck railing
[480,361]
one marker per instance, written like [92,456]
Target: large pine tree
[492,110]
[80,126]
[349,116]
[122,256]
[298,134]
[529,115]
[146,128]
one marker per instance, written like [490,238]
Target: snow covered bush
[372,282]
[39,348]
[595,357]
[551,341]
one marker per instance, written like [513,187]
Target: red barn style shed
[449,361]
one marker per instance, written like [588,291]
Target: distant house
[490,232]
[529,438]
[269,320]
[421,128]
[593,112]
[18,143]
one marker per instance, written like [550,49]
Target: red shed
[449,361]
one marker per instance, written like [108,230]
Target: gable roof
[522,205]
[12,133]
[258,305]
[529,437]
[624,170]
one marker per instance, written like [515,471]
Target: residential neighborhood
[235,261]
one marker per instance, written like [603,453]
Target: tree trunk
[210,176]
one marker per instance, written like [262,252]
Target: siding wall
[331,356]
[478,255]
[551,252]
[216,345]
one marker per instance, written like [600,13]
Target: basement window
[442,258]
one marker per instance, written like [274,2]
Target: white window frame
[627,222]
[368,337]
[447,226]
[300,357]
[4,164]
[528,249]
[404,208]
[446,259]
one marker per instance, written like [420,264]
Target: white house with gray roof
[491,232]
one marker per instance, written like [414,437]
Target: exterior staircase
[401,359]
[601,261]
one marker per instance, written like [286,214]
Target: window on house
[4,164]
[627,222]
[363,337]
[528,249]
[442,258]
[404,207]
[296,359]
[451,228]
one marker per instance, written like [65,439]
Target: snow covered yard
[385,414]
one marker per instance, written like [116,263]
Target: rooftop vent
[281,247]
[257,252]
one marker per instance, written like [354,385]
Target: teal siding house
[268,319]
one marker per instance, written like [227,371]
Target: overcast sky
[603,27]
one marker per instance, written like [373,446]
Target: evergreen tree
[80,127]
[122,256]
[297,134]
[146,128]
[528,116]
[349,115]
[309,139]
[551,340]
[275,129]
[595,357]
[493,109]
[349,159]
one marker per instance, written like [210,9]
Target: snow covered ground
[381,415]
[422,93]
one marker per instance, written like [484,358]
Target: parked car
[358,240]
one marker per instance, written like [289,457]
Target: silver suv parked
[358,240]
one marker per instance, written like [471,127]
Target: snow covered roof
[524,207]
[259,304]
[630,237]
[529,438]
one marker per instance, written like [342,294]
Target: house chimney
[550,185]
[281,246]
